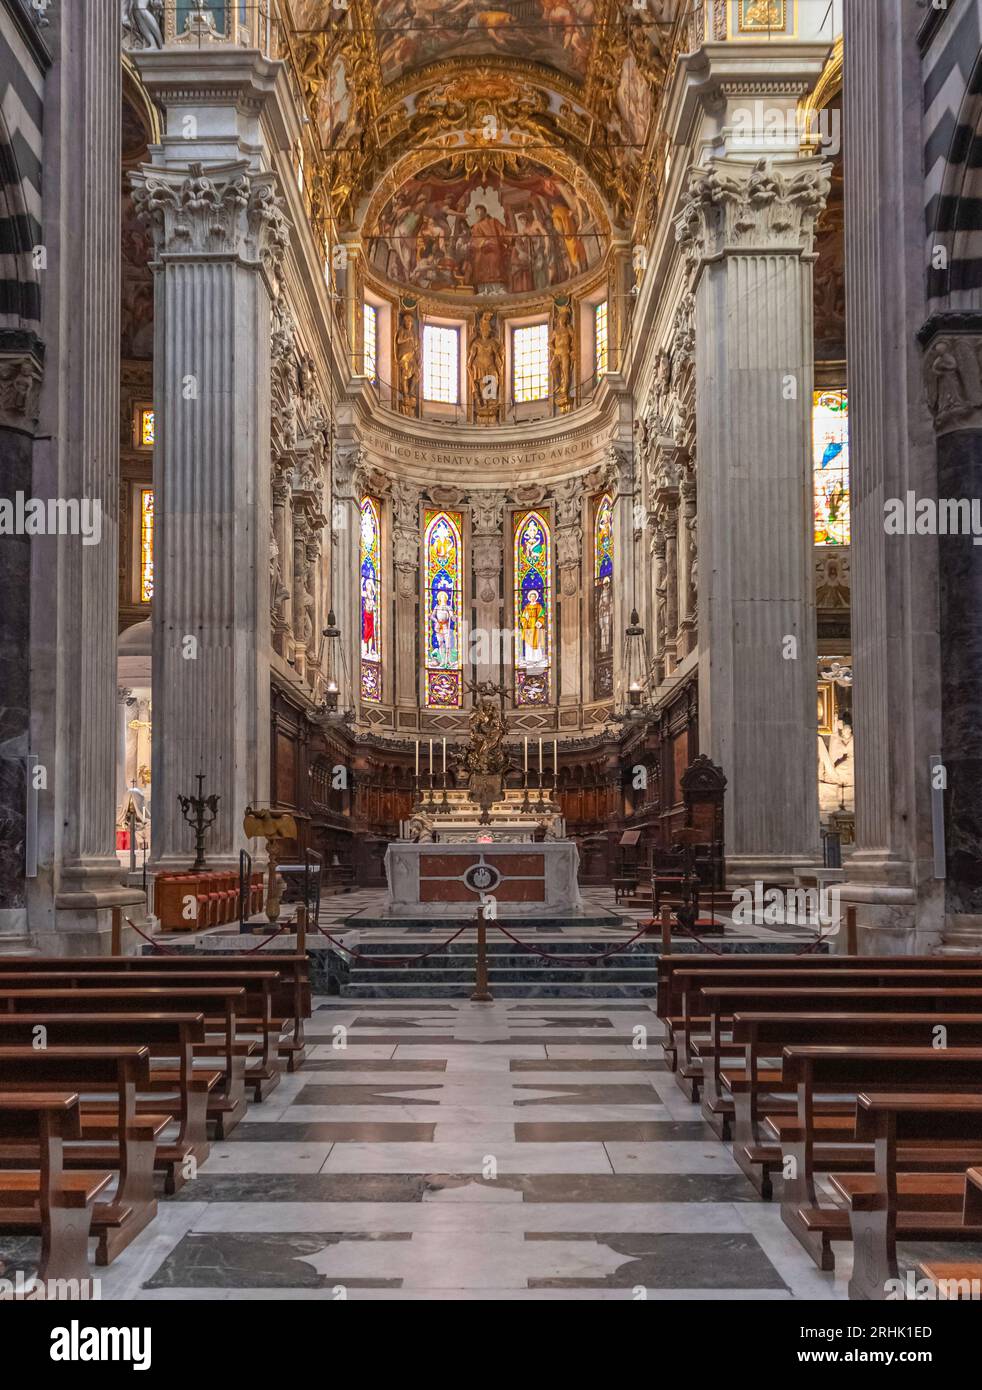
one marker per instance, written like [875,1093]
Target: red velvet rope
[567,960]
[387,960]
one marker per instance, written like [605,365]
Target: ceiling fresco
[565,81]
[510,230]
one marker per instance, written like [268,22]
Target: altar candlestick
[444,757]
[526,754]
[431,757]
[555,761]
[417,757]
[540,759]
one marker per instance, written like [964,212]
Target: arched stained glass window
[830,453]
[603,599]
[370,572]
[443,557]
[533,609]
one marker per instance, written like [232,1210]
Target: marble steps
[433,989]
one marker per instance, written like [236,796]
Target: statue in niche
[407,364]
[561,357]
[485,369]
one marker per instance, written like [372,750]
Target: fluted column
[219,237]
[747,234]
[85,98]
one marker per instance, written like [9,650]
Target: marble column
[953,354]
[747,232]
[78,746]
[219,236]
[20,380]
[574,626]
[896,657]
[345,533]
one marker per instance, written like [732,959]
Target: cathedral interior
[552,426]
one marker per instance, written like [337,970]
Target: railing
[512,412]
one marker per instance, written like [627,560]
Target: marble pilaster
[487,552]
[405,560]
[746,232]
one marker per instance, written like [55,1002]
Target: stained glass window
[600,354]
[146,544]
[530,363]
[443,553]
[371,342]
[370,573]
[533,609]
[147,427]
[830,456]
[441,364]
[603,579]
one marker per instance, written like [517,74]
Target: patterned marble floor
[517,1150]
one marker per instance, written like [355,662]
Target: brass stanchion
[666,929]
[301,929]
[482,994]
[116,933]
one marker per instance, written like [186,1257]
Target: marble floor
[517,1150]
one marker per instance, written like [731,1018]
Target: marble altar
[440,879]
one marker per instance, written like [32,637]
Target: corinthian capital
[224,210]
[748,208]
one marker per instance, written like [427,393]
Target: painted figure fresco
[443,558]
[370,577]
[412,33]
[487,233]
[533,615]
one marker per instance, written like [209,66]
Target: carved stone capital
[220,210]
[953,378]
[763,208]
[20,388]
[488,511]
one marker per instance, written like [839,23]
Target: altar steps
[512,972]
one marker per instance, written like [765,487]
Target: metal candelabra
[195,809]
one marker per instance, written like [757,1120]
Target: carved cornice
[762,208]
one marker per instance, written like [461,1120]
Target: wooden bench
[954,1279]
[44,1197]
[849,1071]
[221,1005]
[763,1036]
[290,1001]
[262,1076]
[700,1036]
[918,1206]
[123,1141]
[171,1039]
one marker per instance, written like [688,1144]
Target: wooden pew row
[848,1071]
[221,1005]
[171,1038]
[763,1036]
[42,1196]
[262,1074]
[669,1000]
[963,1278]
[123,1141]
[928,1205]
[701,1039]
[290,1003]
[721,1003]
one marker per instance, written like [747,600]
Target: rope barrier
[387,960]
[570,960]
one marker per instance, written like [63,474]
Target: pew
[123,1141]
[171,1039]
[290,1003]
[917,1206]
[43,1196]
[840,1071]
[764,1035]
[263,1076]
[221,1004]
[689,984]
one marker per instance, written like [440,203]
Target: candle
[417,757]
[526,755]
[444,756]
[540,757]
[555,759]
[431,757]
